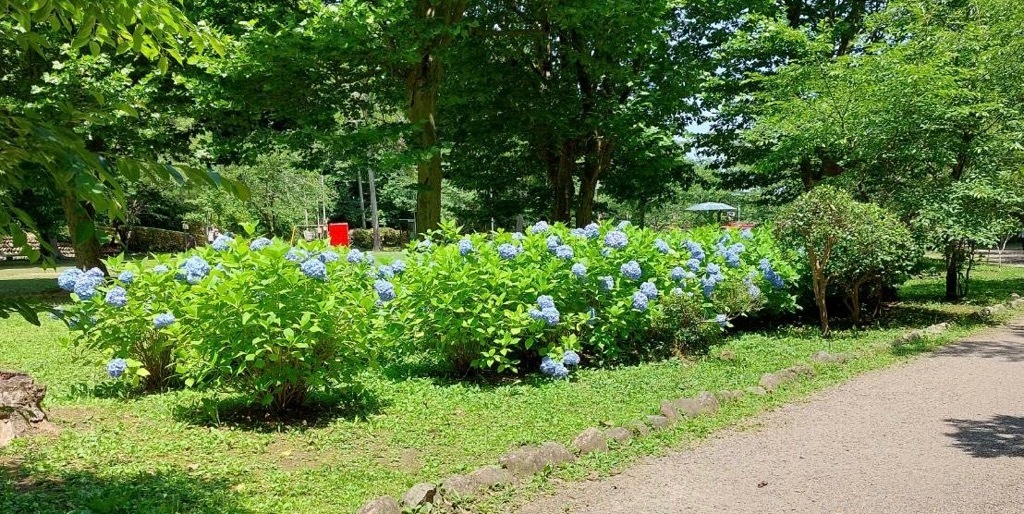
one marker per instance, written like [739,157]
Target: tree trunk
[88,251]
[373,209]
[597,159]
[424,81]
[423,84]
[953,258]
[561,167]
[362,202]
[819,298]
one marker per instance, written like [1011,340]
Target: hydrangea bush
[523,299]
[260,317]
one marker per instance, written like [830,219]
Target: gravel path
[941,433]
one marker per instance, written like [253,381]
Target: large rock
[20,407]
[828,358]
[639,428]
[688,407]
[620,435]
[589,441]
[419,494]
[708,403]
[757,390]
[480,480]
[936,329]
[670,411]
[770,382]
[657,422]
[528,460]
[382,505]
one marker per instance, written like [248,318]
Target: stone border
[519,464]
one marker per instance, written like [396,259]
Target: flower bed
[276,321]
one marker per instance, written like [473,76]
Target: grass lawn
[183,452]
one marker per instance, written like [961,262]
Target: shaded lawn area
[183,452]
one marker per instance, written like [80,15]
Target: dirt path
[942,433]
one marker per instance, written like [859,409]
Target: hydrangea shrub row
[277,321]
[506,300]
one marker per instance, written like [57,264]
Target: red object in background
[338,233]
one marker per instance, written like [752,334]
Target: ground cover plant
[183,451]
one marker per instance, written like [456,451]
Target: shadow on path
[1007,348]
[1001,436]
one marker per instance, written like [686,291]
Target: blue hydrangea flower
[385,272]
[707,285]
[640,301]
[116,368]
[160,268]
[693,264]
[747,234]
[722,320]
[550,315]
[354,256]
[328,256]
[385,290]
[544,301]
[96,273]
[193,270]
[368,257]
[518,236]
[631,270]
[398,266]
[85,286]
[676,291]
[649,289]
[117,297]
[677,274]
[592,231]
[507,251]
[163,320]
[559,372]
[553,242]
[623,224]
[564,252]
[222,242]
[732,258]
[68,278]
[423,246]
[579,270]
[606,283]
[547,366]
[770,275]
[616,239]
[714,269]
[126,277]
[538,228]
[296,255]
[753,291]
[315,269]
[259,243]
[570,359]
[578,232]
[465,247]
[662,246]
[696,251]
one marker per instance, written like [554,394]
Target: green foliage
[389,238]
[475,309]
[846,243]
[245,319]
